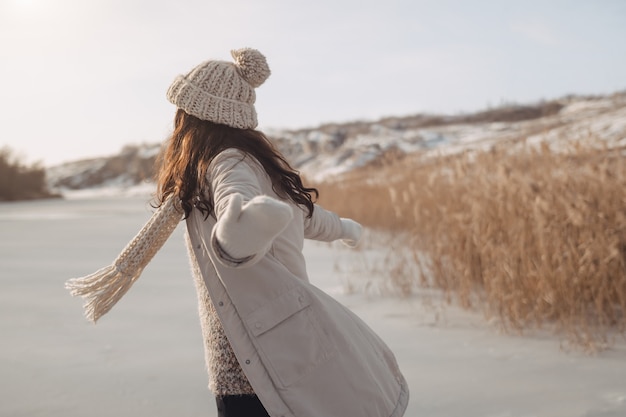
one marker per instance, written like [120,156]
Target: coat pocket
[288,337]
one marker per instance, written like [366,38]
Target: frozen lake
[145,357]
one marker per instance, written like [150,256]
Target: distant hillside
[329,150]
[133,165]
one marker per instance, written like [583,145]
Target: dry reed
[533,237]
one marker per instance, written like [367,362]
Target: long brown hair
[183,163]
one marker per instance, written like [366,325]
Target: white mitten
[350,232]
[248,229]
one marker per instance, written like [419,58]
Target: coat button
[198,246]
[221,304]
[247,361]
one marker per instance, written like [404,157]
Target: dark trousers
[240,406]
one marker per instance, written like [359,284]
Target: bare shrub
[19,181]
[532,237]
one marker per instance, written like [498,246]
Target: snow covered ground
[145,357]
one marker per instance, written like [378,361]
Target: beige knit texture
[222,92]
[105,287]
[252,65]
[226,376]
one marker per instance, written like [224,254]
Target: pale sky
[82,78]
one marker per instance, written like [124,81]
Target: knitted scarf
[105,287]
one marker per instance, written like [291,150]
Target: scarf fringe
[101,290]
[105,287]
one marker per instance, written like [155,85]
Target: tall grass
[533,237]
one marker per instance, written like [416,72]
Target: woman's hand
[351,232]
[246,229]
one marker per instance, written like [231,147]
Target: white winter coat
[305,354]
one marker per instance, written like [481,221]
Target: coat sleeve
[232,172]
[324,225]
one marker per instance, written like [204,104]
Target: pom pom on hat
[252,65]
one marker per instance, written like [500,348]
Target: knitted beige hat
[222,92]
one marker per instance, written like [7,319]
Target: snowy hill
[329,150]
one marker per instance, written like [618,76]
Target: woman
[275,344]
